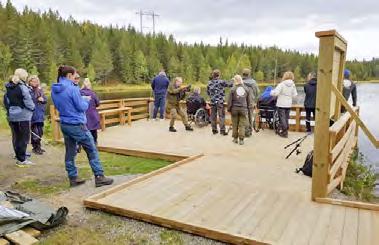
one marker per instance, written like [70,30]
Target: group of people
[25,104]
[243,98]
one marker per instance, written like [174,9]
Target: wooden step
[4,242]
[21,238]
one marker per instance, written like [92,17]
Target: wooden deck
[238,194]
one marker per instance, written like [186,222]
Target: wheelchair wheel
[201,118]
[275,121]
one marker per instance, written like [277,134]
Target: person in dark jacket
[93,117]
[160,85]
[195,102]
[310,90]
[349,88]
[251,84]
[72,107]
[38,117]
[19,106]
[239,103]
[216,92]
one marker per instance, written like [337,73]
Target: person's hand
[41,99]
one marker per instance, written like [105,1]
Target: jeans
[309,112]
[79,134]
[37,129]
[159,104]
[94,135]
[284,116]
[20,138]
[220,110]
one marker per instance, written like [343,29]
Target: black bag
[308,165]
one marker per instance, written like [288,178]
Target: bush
[360,179]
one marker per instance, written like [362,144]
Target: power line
[152,14]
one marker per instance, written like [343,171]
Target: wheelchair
[200,117]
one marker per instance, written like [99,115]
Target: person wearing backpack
[19,105]
[349,88]
[310,90]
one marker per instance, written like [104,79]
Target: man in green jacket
[175,94]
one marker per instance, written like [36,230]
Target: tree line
[41,41]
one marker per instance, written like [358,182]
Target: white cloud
[286,24]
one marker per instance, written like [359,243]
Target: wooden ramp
[238,194]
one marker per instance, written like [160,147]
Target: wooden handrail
[355,116]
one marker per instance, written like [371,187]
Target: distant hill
[40,42]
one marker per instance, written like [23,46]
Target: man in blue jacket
[72,107]
[159,85]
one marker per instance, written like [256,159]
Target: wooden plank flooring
[238,194]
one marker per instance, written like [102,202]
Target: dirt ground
[47,181]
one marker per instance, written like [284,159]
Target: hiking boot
[76,182]
[223,133]
[172,129]
[215,131]
[102,180]
[235,140]
[43,150]
[24,164]
[37,151]
[241,142]
[189,128]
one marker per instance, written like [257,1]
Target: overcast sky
[287,24]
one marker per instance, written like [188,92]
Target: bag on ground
[308,165]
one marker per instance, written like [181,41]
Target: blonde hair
[197,90]
[178,79]
[19,74]
[288,75]
[87,83]
[238,80]
[32,77]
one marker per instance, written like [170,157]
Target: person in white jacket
[286,92]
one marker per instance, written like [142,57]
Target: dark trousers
[249,122]
[159,104]
[37,133]
[218,109]
[284,116]
[79,134]
[309,112]
[94,135]
[20,138]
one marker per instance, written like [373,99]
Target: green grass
[171,237]
[360,179]
[118,164]
[39,187]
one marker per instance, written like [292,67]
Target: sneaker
[189,128]
[24,164]
[102,180]
[37,151]
[172,129]
[235,140]
[241,142]
[76,182]
[215,131]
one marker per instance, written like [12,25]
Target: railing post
[331,54]
[54,124]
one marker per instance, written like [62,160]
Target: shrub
[360,179]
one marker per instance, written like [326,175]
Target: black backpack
[308,165]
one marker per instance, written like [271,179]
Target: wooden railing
[343,137]
[117,112]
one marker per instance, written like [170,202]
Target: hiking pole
[296,141]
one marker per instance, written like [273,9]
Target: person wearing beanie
[349,88]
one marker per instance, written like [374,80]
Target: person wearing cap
[216,92]
[251,84]
[349,88]
[160,85]
[310,90]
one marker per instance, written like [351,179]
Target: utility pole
[147,13]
